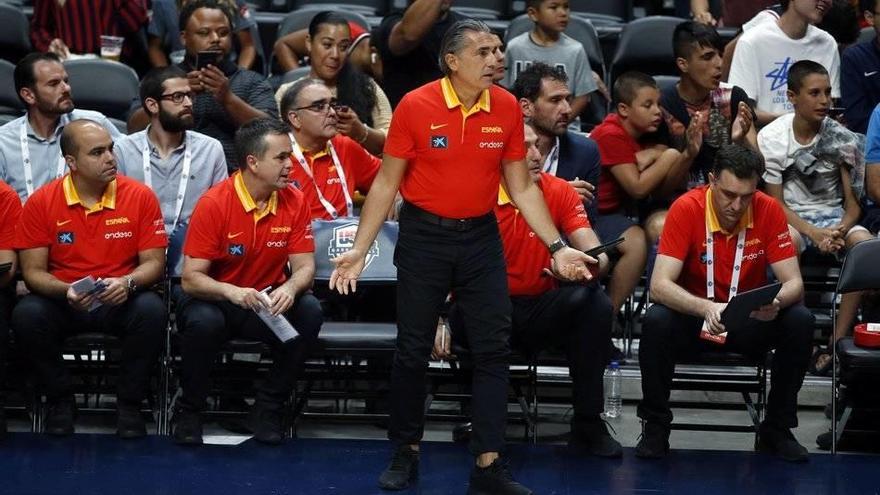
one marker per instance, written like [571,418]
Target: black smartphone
[203,59]
[603,248]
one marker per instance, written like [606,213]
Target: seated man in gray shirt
[179,165]
[225,96]
[30,151]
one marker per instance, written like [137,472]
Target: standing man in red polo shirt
[328,167]
[449,143]
[719,240]
[10,212]
[243,234]
[575,316]
[91,222]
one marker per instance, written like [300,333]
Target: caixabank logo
[342,240]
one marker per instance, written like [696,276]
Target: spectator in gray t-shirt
[548,43]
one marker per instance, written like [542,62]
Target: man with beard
[91,223]
[327,166]
[226,96]
[29,145]
[178,164]
[544,97]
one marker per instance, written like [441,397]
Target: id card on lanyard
[710,277]
[28,166]
[331,210]
[184,175]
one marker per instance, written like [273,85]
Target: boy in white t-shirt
[815,168]
[765,53]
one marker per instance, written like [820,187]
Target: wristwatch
[130,284]
[556,245]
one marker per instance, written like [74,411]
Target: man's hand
[115,291]
[767,312]
[442,342]
[827,240]
[348,124]
[584,189]
[713,318]
[571,265]
[742,123]
[705,18]
[281,299]
[349,266]
[80,302]
[245,297]
[215,82]
[58,47]
[695,133]
[195,81]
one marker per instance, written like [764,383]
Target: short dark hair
[250,139]
[326,17]
[690,33]
[291,94]
[534,4]
[841,21]
[152,85]
[23,75]
[628,85]
[868,5]
[741,161]
[800,70]
[528,82]
[190,7]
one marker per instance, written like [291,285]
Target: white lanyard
[551,163]
[349,204]
[184,174]
[710,265]
[26,161]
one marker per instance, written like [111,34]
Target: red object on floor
[867,335]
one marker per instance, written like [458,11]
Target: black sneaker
[495,479]
[593,437]
[402,471]
[780,442]
[186,427]
[654,441]
[129,421]
[59,418]
[265,423]
[823,441]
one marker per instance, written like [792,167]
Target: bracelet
[366,135]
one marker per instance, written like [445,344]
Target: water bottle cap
[615,365]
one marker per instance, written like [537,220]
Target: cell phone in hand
[603,248]
[203,59]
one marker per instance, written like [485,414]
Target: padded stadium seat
[294,74]
[855,384]
[664,82]
[103,85]
[363,7]
[622,10]
[645,45]
[334,238]
[342,337]
[866,34]
[14,37]
[10,104]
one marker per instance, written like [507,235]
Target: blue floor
[103,464]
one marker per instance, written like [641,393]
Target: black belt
[458,224]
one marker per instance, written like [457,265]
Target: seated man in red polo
[91,222]
[244,233]
[575,316]
[327,166]
[710,233]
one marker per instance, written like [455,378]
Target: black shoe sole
[412,480]
[765,448]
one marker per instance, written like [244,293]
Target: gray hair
[455,39]
[291,94]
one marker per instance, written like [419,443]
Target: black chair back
[857,274]
[646,46]
[103,85]
[14,37]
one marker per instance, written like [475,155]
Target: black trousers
[431,260]
[41,325]
[7,300]
[667,336]
[579,319]
[206,325]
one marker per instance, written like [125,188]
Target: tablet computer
[736,314]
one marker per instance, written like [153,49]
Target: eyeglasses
[324,106]
[178,96]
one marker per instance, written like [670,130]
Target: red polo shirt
[616,147]
[10,212]
[684,238]
[454,154]
[103,241]
[248,248]
[359,166]
[525,254]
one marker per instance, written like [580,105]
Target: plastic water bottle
[613,402]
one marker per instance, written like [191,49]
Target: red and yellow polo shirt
[10,213]
[246,247]
[103,241]
[455,154]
